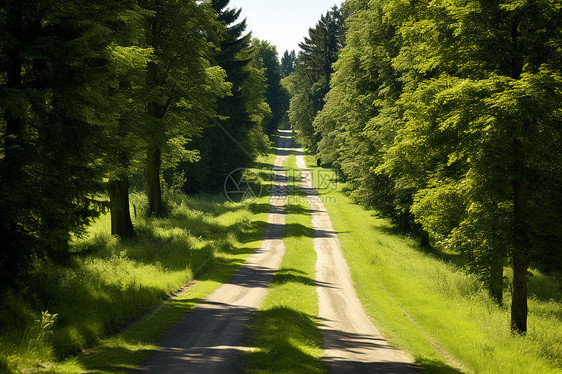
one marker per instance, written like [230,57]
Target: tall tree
[311,79]
[124,143]
[237,135]
[496,123]
[179,71]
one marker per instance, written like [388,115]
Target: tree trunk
[495,281]
[519,302]
[521,243]
[121,224]
[153,188]
[154,161]
[424,239]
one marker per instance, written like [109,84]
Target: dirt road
[209,339]
[352,343]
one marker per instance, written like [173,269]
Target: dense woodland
[445,116]
[94,94]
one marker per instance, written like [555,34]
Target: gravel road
[210,339]
[352,344]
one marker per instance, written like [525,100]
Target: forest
[444,117]
[98,97]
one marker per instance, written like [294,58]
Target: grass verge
[110,281]
[285,333]
[436,311]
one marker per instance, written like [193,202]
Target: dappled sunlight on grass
[283,342]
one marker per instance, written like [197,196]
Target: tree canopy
[446,117]
[236,136]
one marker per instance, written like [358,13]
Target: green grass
[110,283]
[285,333]
[435,310]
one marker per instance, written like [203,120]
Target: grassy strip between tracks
[284,332]
[437,311]
[205,239]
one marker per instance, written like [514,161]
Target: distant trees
[288,63]
[310,81]
[92,94]
[276,96]
[446,117]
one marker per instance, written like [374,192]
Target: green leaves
[310,81]
[87,91]
[236,135]
[445,115]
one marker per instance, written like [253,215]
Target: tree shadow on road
[135,344]
[288,275]
[436,367]
[285,342]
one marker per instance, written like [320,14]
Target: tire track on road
[352,343]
